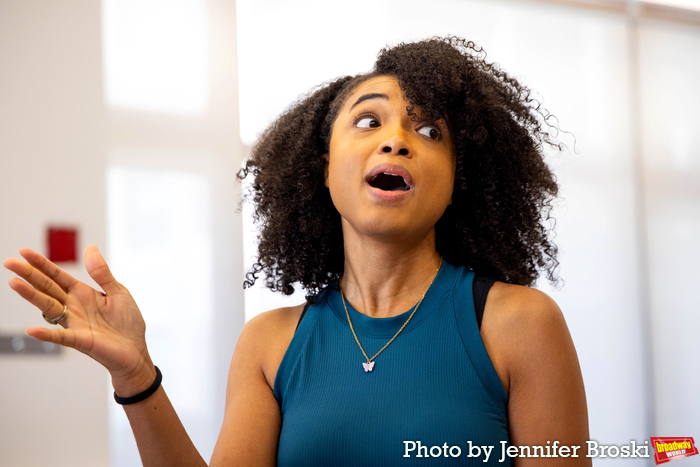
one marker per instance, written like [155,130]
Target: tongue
[389,182]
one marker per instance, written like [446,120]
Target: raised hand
[106,326]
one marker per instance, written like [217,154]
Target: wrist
[136,381]
[142,396]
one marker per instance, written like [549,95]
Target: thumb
[97,268]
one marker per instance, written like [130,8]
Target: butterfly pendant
[368,366]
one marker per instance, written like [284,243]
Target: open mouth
[389,182]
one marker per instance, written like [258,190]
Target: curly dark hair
[499,222]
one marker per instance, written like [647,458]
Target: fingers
[58,275]
[97,268]
[57,336]
[37,279]
[48,305]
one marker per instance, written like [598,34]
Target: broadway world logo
[670,449]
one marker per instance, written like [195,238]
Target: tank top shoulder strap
[294,351]
[466,320]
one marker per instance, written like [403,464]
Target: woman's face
[389,176]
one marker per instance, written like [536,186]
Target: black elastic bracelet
[142,395]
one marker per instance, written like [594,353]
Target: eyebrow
[373,95]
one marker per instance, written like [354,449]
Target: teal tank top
[433,386]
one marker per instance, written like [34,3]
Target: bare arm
[109,328]
[252,422]
[528,340]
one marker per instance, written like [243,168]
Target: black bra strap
[481,287]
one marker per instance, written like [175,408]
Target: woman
[411,204]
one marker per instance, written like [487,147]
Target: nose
[396,146]
[402,151]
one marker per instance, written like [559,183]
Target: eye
[367,121]
[431,132]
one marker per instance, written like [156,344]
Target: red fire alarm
[62,244]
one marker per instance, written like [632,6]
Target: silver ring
[58,318]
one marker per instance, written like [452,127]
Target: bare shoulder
[515,306]
[271,323]
[527,338]
[521,325]
[265,338]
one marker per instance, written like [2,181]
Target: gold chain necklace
[369,366]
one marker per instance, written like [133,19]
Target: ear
[327,158]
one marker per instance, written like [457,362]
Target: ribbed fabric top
[434,384]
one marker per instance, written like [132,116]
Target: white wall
[53,410]
[670,66]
